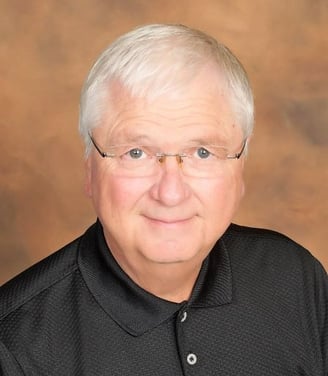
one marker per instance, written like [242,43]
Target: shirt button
[184,316]
[191,359]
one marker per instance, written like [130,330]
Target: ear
[88,177]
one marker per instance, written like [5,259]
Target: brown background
[46,49]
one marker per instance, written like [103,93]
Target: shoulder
[279,277]
[274,256]
[268,261]
[266,243]
[257,235]
[38,278]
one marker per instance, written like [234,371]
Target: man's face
[168,217]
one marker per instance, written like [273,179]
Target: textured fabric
[259,307]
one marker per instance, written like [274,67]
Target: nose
[170,188]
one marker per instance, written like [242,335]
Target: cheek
[237,187]
[116,194]
[223,196]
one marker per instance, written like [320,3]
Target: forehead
[200,109]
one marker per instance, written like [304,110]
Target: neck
[170,282]
[173,282]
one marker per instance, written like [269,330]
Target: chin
[170,254]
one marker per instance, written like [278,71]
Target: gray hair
[153,59]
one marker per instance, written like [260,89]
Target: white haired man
[163,283]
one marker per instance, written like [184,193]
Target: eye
[135,153]
[203,153]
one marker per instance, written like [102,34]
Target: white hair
[154,59]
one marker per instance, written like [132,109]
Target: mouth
[169,221]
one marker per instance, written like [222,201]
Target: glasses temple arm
[103,154]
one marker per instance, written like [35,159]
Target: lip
[169,221]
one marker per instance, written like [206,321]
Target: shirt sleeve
[8,364]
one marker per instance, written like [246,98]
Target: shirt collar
[131,307]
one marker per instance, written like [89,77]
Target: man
[163,283]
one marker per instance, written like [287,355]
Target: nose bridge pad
[162,158]
[179,159]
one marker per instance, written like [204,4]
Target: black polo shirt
[259,307]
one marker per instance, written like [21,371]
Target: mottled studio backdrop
[46,49]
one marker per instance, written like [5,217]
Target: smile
[169,221]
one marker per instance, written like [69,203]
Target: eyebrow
[132,139]
[141,138]
[211,140]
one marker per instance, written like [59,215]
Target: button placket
[190,358]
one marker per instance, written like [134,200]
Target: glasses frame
[161,156]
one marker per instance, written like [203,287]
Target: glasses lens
[189,165]
[199,162]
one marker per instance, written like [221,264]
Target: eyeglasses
[142,161]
